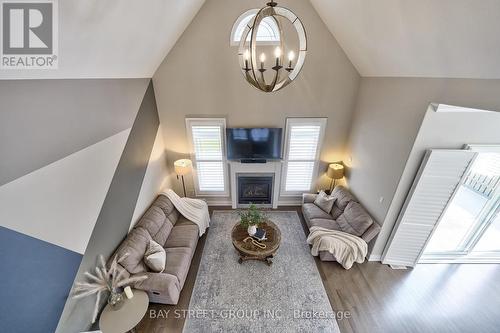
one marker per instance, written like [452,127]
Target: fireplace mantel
[271,167]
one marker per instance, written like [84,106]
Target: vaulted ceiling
[420,38]
[114,38]
[399,38]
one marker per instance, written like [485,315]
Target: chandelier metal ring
[247,55]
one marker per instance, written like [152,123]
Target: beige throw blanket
[346,248]
[194,210]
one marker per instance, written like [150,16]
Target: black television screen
[253,143]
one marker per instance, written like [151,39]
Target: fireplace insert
[257,190]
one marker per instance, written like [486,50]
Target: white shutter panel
[301,157]
[303,142]
[435,184]
[210,176]
[208,150]
[207,142]
[299,176]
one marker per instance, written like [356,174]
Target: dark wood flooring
[429,298]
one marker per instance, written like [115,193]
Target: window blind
[301,157]
[207,142]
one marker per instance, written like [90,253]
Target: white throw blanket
[346,248]
[194,210]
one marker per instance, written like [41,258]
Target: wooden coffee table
[248,251]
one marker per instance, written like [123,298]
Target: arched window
[268,32]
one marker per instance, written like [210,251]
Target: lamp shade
[335,171]
[182,167]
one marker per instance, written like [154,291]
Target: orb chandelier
[252,53]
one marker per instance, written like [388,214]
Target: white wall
[451,130]
[201,77]
[64,197]
[155,179]
[388,115]
[113,39]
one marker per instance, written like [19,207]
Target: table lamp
[182,167]
[335,171]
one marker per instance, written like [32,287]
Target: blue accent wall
[35,280]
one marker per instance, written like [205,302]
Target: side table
[127,317]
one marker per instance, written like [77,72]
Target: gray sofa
[347,215]
[179,236]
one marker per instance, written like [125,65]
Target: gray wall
[388,115]
[42,121]
[201,77]
[114,219]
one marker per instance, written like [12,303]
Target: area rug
[287,296]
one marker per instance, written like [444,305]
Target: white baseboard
[217,201]
[290,202]
[461,261]
[224,201]
[374,257]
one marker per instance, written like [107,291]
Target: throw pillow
[324,201]
[155,257]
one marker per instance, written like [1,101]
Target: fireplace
[257,173]
[255,189]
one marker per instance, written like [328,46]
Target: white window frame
[235,40]
[322,122]
[221,122]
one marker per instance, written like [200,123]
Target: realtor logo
[29,34]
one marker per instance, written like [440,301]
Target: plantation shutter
[304,138]
[209,155]
[435,184]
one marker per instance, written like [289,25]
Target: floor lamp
[182,167]
[335,171]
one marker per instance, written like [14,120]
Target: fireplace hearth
[255,189]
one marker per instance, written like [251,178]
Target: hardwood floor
[429,298]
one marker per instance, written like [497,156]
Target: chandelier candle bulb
[262,60]
[277,54]
[291,56]
[246,55]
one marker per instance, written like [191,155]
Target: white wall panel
[60,202]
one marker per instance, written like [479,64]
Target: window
[268,33]
[206,138]
[304,137]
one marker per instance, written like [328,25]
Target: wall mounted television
[254,143]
